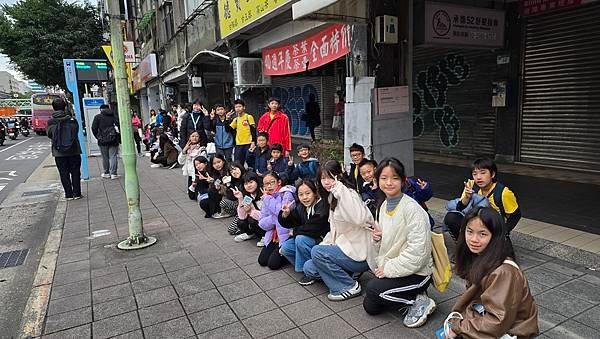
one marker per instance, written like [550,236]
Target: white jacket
[348,224]
[187,159]
[405,246]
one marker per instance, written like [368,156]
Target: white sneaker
[261,242]
[243,237]
[155,165]
[114,176]
[351,293]
[220,215]
[417,314]
[105,175]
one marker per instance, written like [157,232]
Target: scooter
[25,131]
[12,131]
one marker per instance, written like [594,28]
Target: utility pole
[136,239]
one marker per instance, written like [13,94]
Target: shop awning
[145,20]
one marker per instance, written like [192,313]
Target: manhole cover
[42,192]
[13,258]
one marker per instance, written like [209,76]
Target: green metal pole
[136,238]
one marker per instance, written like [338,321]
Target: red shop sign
[533,7]
[316,50]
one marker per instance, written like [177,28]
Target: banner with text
[237,14]
[533,7]
[309,53]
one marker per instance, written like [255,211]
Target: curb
[35,310]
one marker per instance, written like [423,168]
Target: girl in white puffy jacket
[400,255]
[186,158]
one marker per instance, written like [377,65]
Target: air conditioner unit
[247,72]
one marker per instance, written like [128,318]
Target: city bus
[41,110]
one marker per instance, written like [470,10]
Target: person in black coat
[312,115]
[197,120]
[105,128]
[68,160]
[308,222]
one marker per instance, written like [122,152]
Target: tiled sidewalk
[197,282]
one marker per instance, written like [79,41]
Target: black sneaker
[305,281]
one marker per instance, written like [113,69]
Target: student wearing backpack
[483,184]
[245,132]
[105,129]
[62,130]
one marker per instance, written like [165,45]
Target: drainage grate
[13,258]
[32,193]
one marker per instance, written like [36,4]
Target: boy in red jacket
[277,125]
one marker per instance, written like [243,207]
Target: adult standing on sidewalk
[105,129]
[62,130]
[197,120]
[277,125]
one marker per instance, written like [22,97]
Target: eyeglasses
[270,183]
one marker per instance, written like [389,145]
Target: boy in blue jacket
[280,164]
[307,169]
[224,137]
[259,156]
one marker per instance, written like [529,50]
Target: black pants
[250,226]
[192,194]
[240,152]
[453,220]
[138,140]
[312,132]
[385,293]
[211,205]
[70,174]
[269,256]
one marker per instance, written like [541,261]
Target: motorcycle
[11,130]
[25,131]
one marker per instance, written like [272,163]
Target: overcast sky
[5,61]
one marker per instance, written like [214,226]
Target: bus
[41,110]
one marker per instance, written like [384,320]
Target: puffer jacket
[187,159]
[349,223]
[405,245]
[269,214]
[57,117]
[509,306]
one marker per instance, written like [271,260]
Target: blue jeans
[297,250]
[331,265]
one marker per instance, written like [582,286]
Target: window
[168,20]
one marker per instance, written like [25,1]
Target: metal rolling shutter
[470,99]
[561,90]
[293,93]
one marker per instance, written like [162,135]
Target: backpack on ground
[63,137]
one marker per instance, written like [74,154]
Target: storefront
[560,114]
[149,94]
[455,66]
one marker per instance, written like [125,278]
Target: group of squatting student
[333,223]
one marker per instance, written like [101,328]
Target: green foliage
[38,34]
[328,149]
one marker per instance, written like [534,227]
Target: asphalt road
[25,220]
[18,159]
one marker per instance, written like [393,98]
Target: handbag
[211,148]
[442,270]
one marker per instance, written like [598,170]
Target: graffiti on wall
[293,100]
[430,96]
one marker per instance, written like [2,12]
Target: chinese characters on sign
[236,14]
[309,53]
[533,7]
[460,25]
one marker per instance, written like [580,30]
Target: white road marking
[9,147]
[2,187]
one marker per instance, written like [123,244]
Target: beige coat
[349,224]
[405,246]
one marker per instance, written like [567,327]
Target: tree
[38,34]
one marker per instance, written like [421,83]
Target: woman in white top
[400,255]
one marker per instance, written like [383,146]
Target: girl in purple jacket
[274,197]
